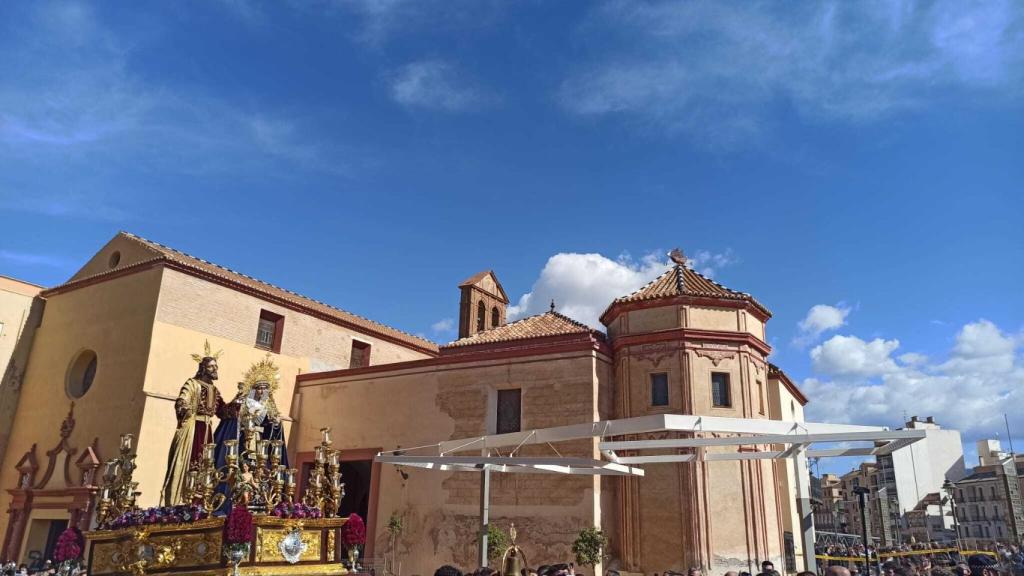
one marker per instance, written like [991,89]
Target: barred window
[481,313]
[510,403]
[659,389]
[720,394]
[270,331]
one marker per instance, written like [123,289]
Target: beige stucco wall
[736,503]
[784,406]
[653,319]
[439,403]
[221,312]
[114,319]
[20,312]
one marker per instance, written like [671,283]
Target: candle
[208,451]
[336,480]
[276,447]
[232,447]
[105,494]
[190,480]
[320,454]
[326,436]
[292,472]
[263,447]
[334,458]
[126,442]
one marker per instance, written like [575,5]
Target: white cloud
[981,378]
[379,20]
[443,325]
[78,102]
[715,70]
[708,263]
[851,356]
[583,285]
[435,85]
[913,358]
[820,318]
[34,259]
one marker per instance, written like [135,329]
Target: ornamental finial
[552,304]
[677,256]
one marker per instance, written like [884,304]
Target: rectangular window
[510,404]
[659,389]
[360,356]
[270,331]
[720,396]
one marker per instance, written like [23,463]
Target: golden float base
[195,549]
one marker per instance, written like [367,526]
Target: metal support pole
[485,512]
[862,494]
[805,511]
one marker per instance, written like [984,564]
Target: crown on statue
[207,353]
[263,371]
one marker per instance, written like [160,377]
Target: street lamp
[948,486]
[862,493]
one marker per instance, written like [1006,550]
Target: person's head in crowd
[806,573]
[486,572]
[447,570]
[837,571]
[744,573]
[694,571]
[731,573]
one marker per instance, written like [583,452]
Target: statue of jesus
[198,402]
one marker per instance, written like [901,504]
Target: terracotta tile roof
[682,281]
[188,261]
[539,326]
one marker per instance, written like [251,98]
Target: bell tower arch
[482,305]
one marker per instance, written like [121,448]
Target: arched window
[495,317]
[481,312]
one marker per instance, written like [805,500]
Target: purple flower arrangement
[297,510]
[181,514]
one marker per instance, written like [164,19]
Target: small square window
[269,331]
[510,404]
[360,357]
[659,389]
[720,394]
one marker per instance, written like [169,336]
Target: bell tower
[482,305]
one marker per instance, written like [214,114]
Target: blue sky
[864,158]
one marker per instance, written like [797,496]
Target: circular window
[115,259]
[81,374]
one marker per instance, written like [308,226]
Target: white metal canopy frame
[699,439]
[765,436]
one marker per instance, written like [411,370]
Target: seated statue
[254,409]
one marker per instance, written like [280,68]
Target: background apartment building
[905,500]
[988,501]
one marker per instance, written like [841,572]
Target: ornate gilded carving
[269,541]
[330,545]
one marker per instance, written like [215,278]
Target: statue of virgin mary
[253,407]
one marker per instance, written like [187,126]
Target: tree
[497,542]
[590,546]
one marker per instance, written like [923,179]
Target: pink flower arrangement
[69,546]
[238,528]
[353,533]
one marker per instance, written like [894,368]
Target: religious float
[229,498]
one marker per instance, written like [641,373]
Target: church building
[114,345]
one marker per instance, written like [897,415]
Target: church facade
[114,346]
